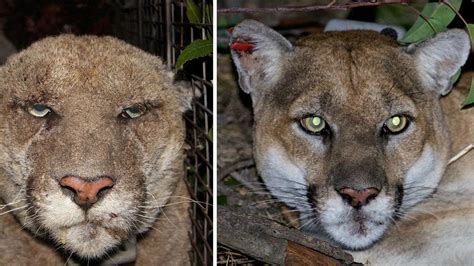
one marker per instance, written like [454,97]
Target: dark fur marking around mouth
[399,197]
[309,195]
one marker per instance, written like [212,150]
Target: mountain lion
[91,153]
[351,130]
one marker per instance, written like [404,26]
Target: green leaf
[470,98]
[196,49]
[470,28]
[208,14]
[208,19]
[456,76]
[193,12]
[395,15]
[439,16]
[209,133]
[222,200]
[231,182]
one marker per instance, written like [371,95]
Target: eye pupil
[39,107]
[313,124]
[133,111]
[396,121]
[316,121]
[396,124]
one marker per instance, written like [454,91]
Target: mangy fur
[356,80]
[88,81]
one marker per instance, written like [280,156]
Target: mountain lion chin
[90,240]
[357,234]
[357,228]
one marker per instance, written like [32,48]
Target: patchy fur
[356,81]
[88,82]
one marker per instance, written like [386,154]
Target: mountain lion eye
[395,124]
[313,124]
[39,110]
[134,111]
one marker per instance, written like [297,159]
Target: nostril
[103,191]
[370,194]
[84,191]
[346,198]
[68,190]
[358,198]
[370,198]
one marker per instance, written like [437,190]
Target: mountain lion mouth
[361,224]
[357,229]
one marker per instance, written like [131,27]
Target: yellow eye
[396,124]
[39,110]
[134,111]
[313,124]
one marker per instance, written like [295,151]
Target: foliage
[470,27]
[231,182]
[396,15]
[435,17]
[197,48]
[222,200]
[470,98]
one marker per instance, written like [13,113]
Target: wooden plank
[297,254]
[267,240]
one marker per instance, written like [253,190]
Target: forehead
[70,66]
[348,72]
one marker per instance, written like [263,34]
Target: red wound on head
[241,46]
[230,30]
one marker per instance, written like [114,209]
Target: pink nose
[358,198]
[86,191]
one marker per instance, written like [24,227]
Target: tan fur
[438,230]
[87,82]
[355,81]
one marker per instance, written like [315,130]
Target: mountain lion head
[91,137]
[348,125]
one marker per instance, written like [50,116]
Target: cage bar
[161,27]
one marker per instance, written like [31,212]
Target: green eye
[134,111]
[396,124]
[313,124]
[39,110]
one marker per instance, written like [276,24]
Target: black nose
[86,192]
[358,198]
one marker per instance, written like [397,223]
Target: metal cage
[161,27]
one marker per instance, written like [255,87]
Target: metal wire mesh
[162,28]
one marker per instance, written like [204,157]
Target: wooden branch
[251,186]
[297,254]
[274,243]
[226,170]
[333,5]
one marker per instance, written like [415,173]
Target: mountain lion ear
[439,58]
[258,52]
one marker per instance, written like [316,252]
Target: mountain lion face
[348,125]
[91,137]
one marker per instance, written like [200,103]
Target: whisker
[166,205]
[65,264]
[19,208]
[309,222]
[149,226]
[11,203]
